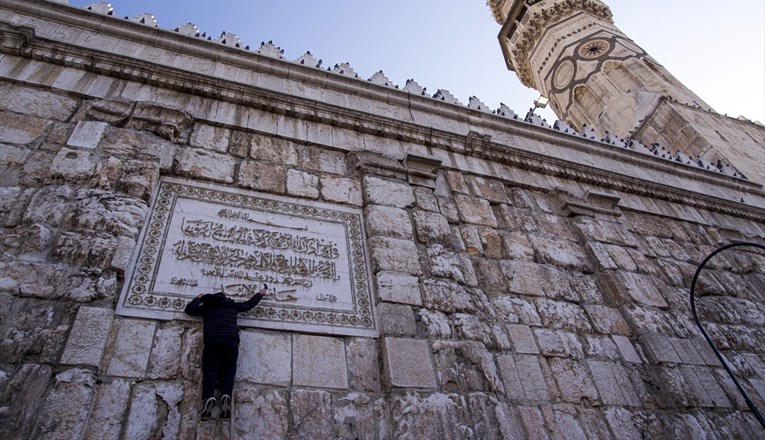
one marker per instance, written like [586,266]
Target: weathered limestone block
[37,102]
[110,110]
[490,276]
[87,135]
[138,178]
[613,383]
[123,253]
[426,200]
[11,160]
[209,137]
[21,129]
[302,184]
[601,347]
[408,363]
[517,310]
[130,352]
[593,423]
[573,381]
[198,163]
[356,416]
[363,364]
[394,255]
[469,327]
[517,220]
[36,169]
[165,359]
[431,227]
[447,264]
[607,320]
[494,418]
[87,250]
[475,211]
[489,189]
[30,381]
[450,297]
[468,365]
[32,329]
[105,211]
[109,410]
[523,378]
[642,289]
[168,123]
[517,246]
[128,144]
[341,190]
[436,416]
[74,165]
[533,422]
[561,253]
[388,221]
[154,411]
[239,144]
[563,315]
[522,339]
[399,288]
[192,355]
[526,278]
[471,239]
[449,209]
[263,176]
[48,206]
[605,232]
[324,161]
[87,338]
[265,357]
[560,344]
[456,182]
[436,324]
[397,319]
[704,386]
[319,361]
[61,415]
[260,413]
[627,350]
[311,412]
[275,150]
[388,192]
[563,421]
[56,281]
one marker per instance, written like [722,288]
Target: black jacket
[218,314]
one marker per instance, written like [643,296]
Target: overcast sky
[716,48]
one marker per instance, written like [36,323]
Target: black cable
[743,392]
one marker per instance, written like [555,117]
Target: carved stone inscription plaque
[202,238]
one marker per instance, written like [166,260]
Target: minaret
[593,74]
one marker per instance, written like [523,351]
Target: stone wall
[529,284]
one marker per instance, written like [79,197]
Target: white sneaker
[208,408]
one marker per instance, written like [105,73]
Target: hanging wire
[743,392]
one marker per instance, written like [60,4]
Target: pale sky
[716,48]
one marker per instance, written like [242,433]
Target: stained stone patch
[397,320]
[523,378]
[527,278]
[387,192]
[319,362]
[522,339]
[211,138]
[165,359]
[87,337]
[388,221]
[431,227]
[207,165]
[574,381]
[265,358]
[311,412]
[607,320]
[155,407]
[109,410]
[267,413]
[363,364]
[20,129]
[475,211]
[447,264]
[87,135]
[559,344]
[563,315]
[130,353]
[48,206]
[394,255]
[641,288]
[302,184]
[263,176]
[564,254]
[341,190]
[399,288]
[60,415]
[408,363]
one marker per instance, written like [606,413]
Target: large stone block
[476,211]
[199,163]
[399,288]
[640,288]
[408,363]
[490,189]
[211,138]
[607,320]
[265,358]
[364,364]
[523,378]
[394,255]
[319,361]
[517,310]
[260,414]
[302,184]
[563,315]
[311,412]
[574,381]
[30,382]
[341,190]
[87,135]
[312,158]
[130,353]
[522,339]
[397,319]
[85,249]
[432,227]
[37,102]
[165,360]
[559,344]
[74,165]
[445,263]
[56,281]
[561,253]
[87,338]
[627,350]
[436,324]
[388,192]
[109,410]
[49,205]
[425,198]
[533,279]
[61,415]
[105,211]
[20,129]
[659,348]
[388,221]
[155,408]
[614,384]
[263,176]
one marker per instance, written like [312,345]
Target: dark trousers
[218,365]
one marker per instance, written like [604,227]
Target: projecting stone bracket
[592,203]
[422,171]
[477,144]
[15,38]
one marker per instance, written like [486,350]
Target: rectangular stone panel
[201,238]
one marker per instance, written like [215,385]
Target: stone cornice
[538,18]
[382,125]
